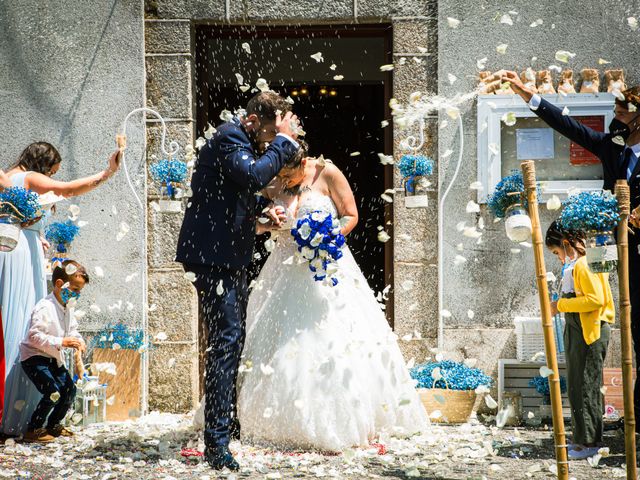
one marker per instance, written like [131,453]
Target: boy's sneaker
[39,435]
[59,431]
[580,452]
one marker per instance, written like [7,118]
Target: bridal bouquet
[17,200]
[320,243]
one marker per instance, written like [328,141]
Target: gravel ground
[151,448]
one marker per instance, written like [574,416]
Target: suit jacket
[219,223]
[614,163]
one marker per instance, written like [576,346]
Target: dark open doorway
[341,116]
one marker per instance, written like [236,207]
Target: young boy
[52,328]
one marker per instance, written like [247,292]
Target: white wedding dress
[321,369]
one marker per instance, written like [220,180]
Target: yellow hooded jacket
[593,301]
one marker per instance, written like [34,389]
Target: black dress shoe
[220,457]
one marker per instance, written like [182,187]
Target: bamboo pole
[531,191]
[623,196]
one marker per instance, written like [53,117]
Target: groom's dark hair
[266,104]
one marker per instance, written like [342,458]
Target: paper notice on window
[534,143]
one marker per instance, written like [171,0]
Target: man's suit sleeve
[240,164]
[569,127]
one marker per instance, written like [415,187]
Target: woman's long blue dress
[23,283]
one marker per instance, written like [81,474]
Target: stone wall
[494,282]
[169,54]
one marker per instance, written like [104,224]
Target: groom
[216,243]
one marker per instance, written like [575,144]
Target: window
[560,163]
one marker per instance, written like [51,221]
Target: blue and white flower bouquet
[320,243]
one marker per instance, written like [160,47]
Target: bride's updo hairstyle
[38,157]
[302,153]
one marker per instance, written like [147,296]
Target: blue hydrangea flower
[412,165]
[61,234]
[541,384]
[126,337]
[585,211]
[455,376]
[25,201]
[168,173]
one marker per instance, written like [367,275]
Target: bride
[321,369]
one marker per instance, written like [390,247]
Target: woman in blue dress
[22,274]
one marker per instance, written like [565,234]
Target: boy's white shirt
[50,323]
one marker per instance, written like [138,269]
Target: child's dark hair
[39,157]
[556,234]
[266,104]
[60,272]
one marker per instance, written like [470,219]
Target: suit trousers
[223,296]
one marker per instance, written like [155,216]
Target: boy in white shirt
[53,327]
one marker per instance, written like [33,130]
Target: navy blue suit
[615,161]
[216,243]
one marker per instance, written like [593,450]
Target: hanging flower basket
[596,214]
[414,170]
[508,202]
[170,175]
[517,223]
[447,389]
[60,235]
[18,208]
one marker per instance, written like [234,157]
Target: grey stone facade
[169,56]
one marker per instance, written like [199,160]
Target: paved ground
[151,449]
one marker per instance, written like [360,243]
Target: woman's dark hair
[556,234]
[296,160]
[39,157]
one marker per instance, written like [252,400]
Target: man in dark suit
[619,151]
[216,243]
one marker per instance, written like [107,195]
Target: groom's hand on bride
[287,124]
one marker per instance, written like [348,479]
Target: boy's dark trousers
[49,378]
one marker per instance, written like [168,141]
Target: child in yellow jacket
[587,304]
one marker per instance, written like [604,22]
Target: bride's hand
[114,161]
[277,215]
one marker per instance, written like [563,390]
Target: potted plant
[447,389]
[116,361]
[414,170]
[541,384]
[508,202]
[170,175]
[60,235]
[596,214]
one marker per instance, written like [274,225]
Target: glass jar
[602,251]
[415,191]
[168,202]
[9,232]
[517,223]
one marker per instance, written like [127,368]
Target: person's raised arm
[40,183]
[553,116]
[342,197]
[241,165]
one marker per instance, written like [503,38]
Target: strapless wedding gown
[321,369]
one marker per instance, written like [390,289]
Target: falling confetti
[246,48]
[453,22]
[502,48]
[190,276]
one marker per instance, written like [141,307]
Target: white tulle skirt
[321,369]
